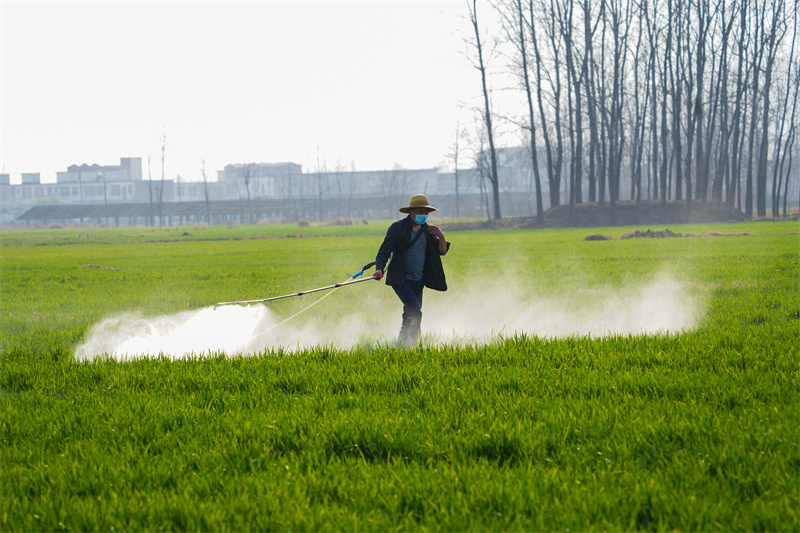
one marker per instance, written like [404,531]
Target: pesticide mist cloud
[229,329]
[661,305]
[477,315]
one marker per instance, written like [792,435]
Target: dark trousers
[411,296]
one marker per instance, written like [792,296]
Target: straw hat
[418,201]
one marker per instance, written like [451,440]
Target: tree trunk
[551,175]
[487,112]
[773,41]
[534,156]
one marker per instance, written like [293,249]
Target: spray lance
[351,281]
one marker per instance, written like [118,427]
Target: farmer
[415,249]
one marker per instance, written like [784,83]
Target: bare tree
[564,13]
[792,78]
[723,165]
[553,176]
[774,35]
[790,148]
[652,37]
[600,102]
[641,95]
[701,95]
[591,96]
[482,165]
[702,27]
[756,65]
[393,186]
[455,154]
[556,45]
[717,44]
[516,29]
[687,81]
[205,191]
[738,112]
[619,16]
[319,176]
[665,154]
[247,175]
[161,187]
[676,83]
[473,15]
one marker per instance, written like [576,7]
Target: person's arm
[437,232]
[385,251]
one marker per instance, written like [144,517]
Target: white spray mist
[476,315]
[660,306]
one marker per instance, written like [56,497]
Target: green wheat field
[560,385]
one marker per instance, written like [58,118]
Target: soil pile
[628,213]
[650,234]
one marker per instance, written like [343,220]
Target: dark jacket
[395,245]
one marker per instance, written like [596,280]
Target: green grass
[91,235]
[691,430]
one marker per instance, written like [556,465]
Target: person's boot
[410,330]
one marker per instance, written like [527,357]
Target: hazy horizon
[324,84]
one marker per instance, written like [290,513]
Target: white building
[288,192]
[96,184]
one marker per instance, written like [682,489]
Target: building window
[65,192]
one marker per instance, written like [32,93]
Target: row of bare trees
[654,99]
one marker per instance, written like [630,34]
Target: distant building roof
[84,166]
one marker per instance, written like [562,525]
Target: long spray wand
[336,286]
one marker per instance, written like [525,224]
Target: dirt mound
[628,213]
[650,234]
[659,234]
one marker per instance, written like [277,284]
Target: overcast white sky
[378,83]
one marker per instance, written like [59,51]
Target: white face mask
[420,219]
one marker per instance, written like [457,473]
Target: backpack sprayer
[352,281]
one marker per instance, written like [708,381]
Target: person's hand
[378,274]
[436,231]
